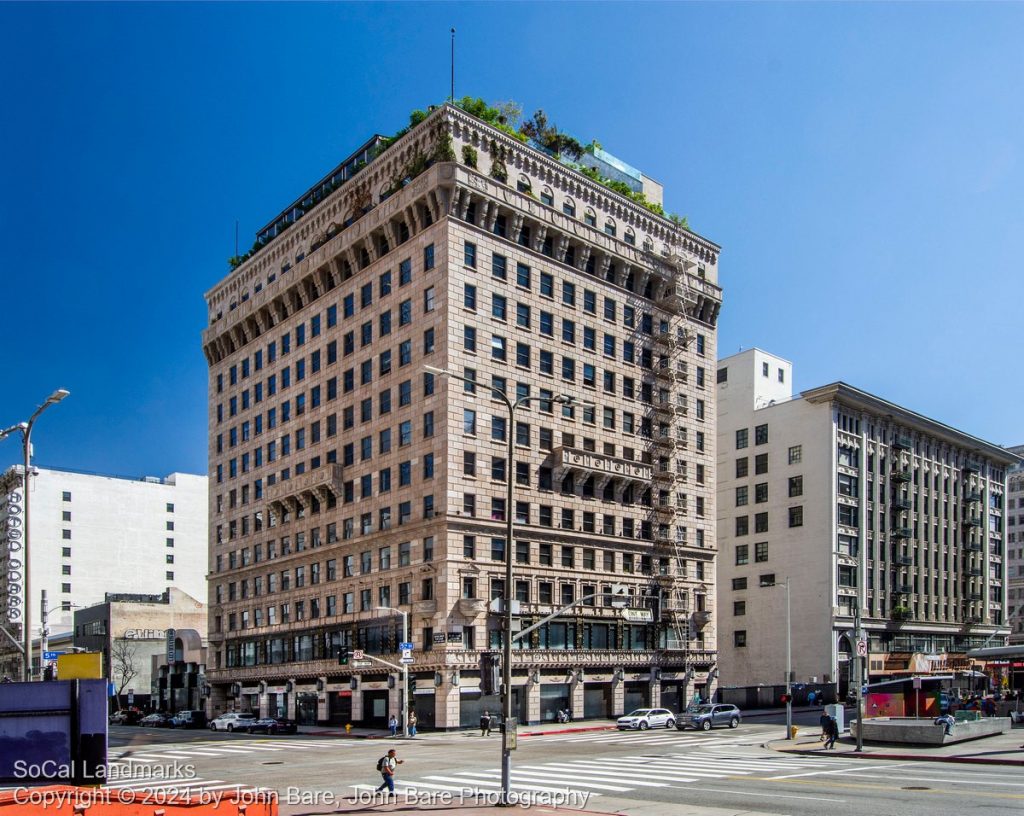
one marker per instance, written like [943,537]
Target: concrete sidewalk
[1000,749]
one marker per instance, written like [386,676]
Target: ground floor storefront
[450,697]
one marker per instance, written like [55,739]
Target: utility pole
[789,667]
[44,633]
[858,674]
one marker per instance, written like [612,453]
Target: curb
[906,757]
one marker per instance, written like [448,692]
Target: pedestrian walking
[485,724]
[393,725]
[833,734]
[386,766]
[823,722]
[412,723]
[811,696]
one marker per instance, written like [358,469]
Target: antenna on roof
[452,97]
[236,237]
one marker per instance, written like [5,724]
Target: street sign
[131,696]
[637,615]
[170,646]
[406,653]
[510,733]
[406,660]
[362,664]
[405,647]
[51,655]
[917,682]
[862,648]
[357,654]
[619,596]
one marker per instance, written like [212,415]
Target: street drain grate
[915,787]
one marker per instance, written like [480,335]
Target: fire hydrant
[792,732]
[348,728]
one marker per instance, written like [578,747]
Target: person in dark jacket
[823,722]
[485,724]
[832,734]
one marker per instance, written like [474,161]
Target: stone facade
[345,476]
[856,501]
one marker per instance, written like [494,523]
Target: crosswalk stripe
[497,784]
[579,769]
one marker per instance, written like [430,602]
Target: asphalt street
[625,772]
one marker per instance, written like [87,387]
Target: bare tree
[122,665]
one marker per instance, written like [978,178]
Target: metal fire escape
[672,337]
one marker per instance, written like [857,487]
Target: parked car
[706,716]
[156,720]
[189,719]
[271,725]
[232,721]
[125,716]
[644,718]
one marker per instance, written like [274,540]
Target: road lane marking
[835,771]
[956,781]
[773,795]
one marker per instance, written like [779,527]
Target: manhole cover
[916,787]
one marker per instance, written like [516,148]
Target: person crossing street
[386,766]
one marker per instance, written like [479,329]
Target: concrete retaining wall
[904,731]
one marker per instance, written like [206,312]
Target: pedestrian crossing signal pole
[789,668]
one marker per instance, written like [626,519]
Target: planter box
[905,731]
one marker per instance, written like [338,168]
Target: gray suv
[705,717]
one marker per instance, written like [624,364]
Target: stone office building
[857,502]
[347,480]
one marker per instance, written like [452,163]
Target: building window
[470,254]
[739,638]
[761,523]
[761,551]
[796,486]
[766,580]
[742,554]
[739,584]
[741,438]
[742,467]
[761,435]
[741,495]
[742,525]
[739,608]
[760,464]
[796,516]
[66,496]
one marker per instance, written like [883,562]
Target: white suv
[644,718]
[231,721]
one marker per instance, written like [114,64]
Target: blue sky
[860,164]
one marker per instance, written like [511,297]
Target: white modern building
[857,502]
[92,535]
[1015,547]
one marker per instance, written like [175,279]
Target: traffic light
[343,659]
[490,673]
[786,698]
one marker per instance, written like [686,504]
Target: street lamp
[405,667]
[26,439]
[789,667]
[506,661]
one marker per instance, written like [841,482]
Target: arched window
[546,196]
[609,227]
[590,217]
[630,237]
[523,185]
[569,207]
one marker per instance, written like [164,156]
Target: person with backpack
[386,767]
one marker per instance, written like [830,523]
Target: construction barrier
[69,800]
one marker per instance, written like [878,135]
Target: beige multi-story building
[345,476]
[854,501]
[1015,548]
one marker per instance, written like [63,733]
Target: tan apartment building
[857,502]
[345,476]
